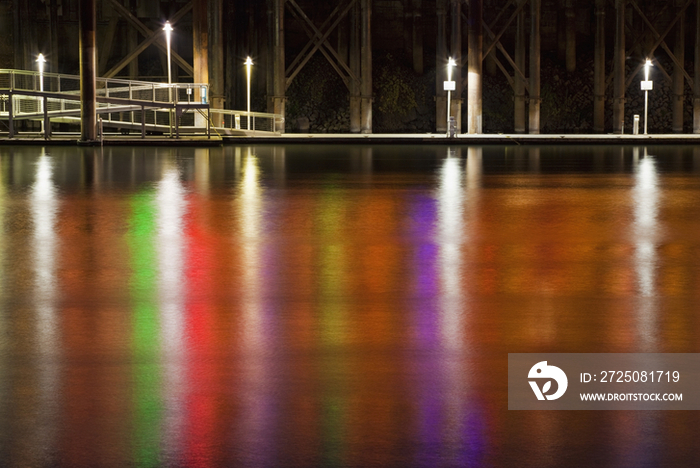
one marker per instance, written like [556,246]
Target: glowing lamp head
[248,61]
[451,62]
[40,60]
[647,64]
[168,27]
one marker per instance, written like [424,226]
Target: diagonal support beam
[320,41]
[500,13]
[662,40]
[309,44]
[310,33]
[108,42]
[511,80]
[492,26]
[151,37]
[314,33]
[502,49]
[636,39]
[503,29]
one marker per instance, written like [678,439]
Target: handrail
[100,79]
[58,90]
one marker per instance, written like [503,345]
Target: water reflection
[171,251]
[646,200]
[451,236]
[257,336]
[265,306]
[44,209]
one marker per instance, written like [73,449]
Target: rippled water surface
[336,305]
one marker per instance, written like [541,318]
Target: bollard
[238,121]
[452,128]
[635,125]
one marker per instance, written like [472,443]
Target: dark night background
[403,80]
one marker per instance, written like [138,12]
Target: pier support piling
[519,82]
[534,107]
[619,68]
[475,39]
[570,15]
[355,67]
[440,68]
[678,69]
[88,70]
[456,54]
[279,81]
[417,36]
[696,78]
[599,69]
[366,46]
[216,55]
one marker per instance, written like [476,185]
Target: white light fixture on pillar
[40,60]
[647,85]
[168,29]
[449,86]
[248,65]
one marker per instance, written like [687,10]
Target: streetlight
[168,29]
[40,60]
[647,85]
[449,86]
[248,65]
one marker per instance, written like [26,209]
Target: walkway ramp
[125,106]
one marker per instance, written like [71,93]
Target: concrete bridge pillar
[619,68]
[696,79]
[355,67]
[440,68]
[599,69]
[88,69]
[519,83]
[534,108]
[456,54]
[570,14]
[216,54]
[279,80]
[475,68]
[678,77]
[366,46]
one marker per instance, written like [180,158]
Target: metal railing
[18,81]
[125,104]
[234,121]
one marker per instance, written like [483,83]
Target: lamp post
[449,86]
[168,29]
[248,65]
[647,85]
[40,60]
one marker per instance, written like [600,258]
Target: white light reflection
[250,206]
[172,207]
[450,236]
[44,206]
[254,390]
[450,239]
[646,200]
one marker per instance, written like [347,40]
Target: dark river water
[336,305]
